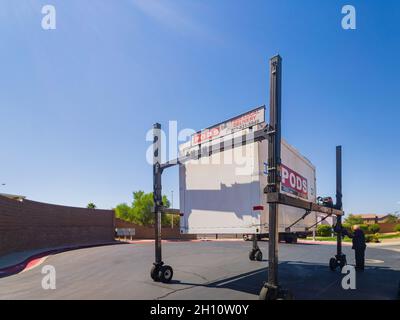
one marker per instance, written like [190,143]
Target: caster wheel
[271,293]
[289,240]
[398,293]
[165,274]
[154,272]
[342,263]
[252,255]
[268,294]
[332,264]
[258,255]
[287,295]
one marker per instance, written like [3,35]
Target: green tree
[353,220]
[392,218]
[123,211]
[141,210]
[91,205]
[365,228]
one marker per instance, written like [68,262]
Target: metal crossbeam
[206,151]
[281,198]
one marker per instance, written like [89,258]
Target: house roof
[371,216]
[13,196]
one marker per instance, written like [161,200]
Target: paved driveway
[204,270]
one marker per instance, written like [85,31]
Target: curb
[144,241]
[36,259]
[322,242]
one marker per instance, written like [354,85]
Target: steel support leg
[159,271]
[157,211]
[271,289]
[340,259]
[273,247]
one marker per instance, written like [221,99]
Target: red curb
[322,242]
[34,260]
[144,241]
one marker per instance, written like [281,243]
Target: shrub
[374,228]
[397,228]
[324,230]
[364,228]
[375,238]
[371,238]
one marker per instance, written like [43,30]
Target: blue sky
[76,102]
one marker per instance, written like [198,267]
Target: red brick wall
[33,225]
[386,227]
[148,233]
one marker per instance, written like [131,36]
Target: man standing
[359,246]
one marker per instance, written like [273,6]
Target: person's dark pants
[360,258]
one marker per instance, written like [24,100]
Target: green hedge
[397,228]
[374,228]
[371,238]
[324,230]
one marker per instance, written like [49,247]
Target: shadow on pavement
[316,281]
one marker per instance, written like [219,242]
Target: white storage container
[224,193]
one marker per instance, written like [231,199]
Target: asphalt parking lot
[205,270]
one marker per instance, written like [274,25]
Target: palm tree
[91,205]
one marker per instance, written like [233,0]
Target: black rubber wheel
[332,264]
[289,239]
[287,296]
[252,255]
[267,293]
[398,293]
[258,255]
[154,273]
[165,274]
[342,263]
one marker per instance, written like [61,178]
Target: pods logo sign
[294,183]
[206,135]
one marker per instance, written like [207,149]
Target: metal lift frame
[271,289]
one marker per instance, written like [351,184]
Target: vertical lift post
[271,289]
[159,271]
[340,259]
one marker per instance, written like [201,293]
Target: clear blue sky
[76,102]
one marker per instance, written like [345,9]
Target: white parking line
[236,279]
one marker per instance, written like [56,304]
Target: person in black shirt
[359,246]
